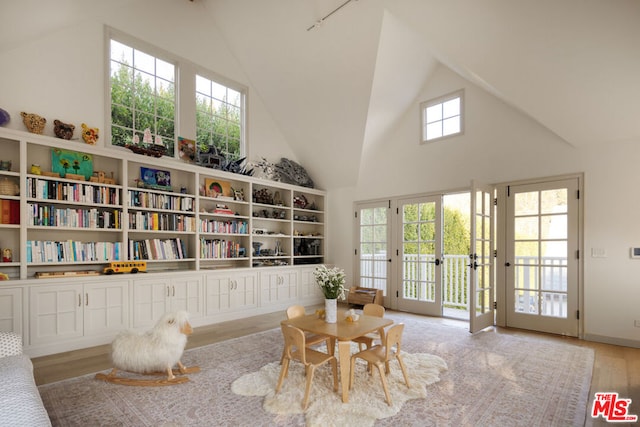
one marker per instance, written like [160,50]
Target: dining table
[342,331]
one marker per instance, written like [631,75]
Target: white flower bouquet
[331,281]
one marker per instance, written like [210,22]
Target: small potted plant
[331,282]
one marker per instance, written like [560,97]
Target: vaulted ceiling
[573,65]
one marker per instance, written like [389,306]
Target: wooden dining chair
[380,356]
[295,349]
[311,339]
[368,339]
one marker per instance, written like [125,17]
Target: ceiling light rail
[321,20]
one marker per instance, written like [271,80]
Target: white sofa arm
[10,344]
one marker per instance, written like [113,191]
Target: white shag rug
[366,399]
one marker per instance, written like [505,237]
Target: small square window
[442,117]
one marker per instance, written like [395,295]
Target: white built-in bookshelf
[206,219]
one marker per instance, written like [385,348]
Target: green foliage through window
[143,95]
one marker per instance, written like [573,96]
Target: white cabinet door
[55,313]
[309,290]
[278,287]
[149,301]
[243,292]
[106,307]
[227,292]
[217,287]
[11,310]
[186,294]
[152,298]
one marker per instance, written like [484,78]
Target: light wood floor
[615,369]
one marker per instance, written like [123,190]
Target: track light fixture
[321,20]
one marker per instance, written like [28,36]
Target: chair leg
[309,370]
[352,372]
[334,367]
[383,377]
[283,373]
[404,369]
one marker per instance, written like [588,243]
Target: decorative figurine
[4,117]
[7,255]
[33,122]
[63,130]
[35,169]
[89,135]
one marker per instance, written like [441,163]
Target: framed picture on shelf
[66,162]
[186,149]
[155,178]
[214,187]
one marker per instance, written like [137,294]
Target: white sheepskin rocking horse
[153,352]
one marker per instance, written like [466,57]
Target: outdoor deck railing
[421,269]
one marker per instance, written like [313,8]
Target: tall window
[143,96]
[442,117]
[219,118]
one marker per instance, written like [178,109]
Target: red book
[14,212]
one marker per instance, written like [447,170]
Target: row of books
[46,189]
[39,251]
[9,211]
[161,221]
[228,227]
[216,248]
[52,216]
[144,199]
[157,249]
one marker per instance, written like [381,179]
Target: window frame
[216,78]
[438,101]
[185,91]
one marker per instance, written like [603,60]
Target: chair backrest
[393,339]
[294,343]
[295,311]
[373,310]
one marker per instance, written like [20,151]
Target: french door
[420,255]
[542,256]
[481,258]
[373,226]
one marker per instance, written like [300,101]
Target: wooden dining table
[344,332]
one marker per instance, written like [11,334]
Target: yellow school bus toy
[125,267]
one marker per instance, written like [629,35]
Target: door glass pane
[418,251]
[526,277]
[527,227]
[554,304]
[526,302]
[554,278]
[553,201]
[526,252]
[373,248]
[526,203]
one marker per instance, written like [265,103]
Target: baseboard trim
[612,340]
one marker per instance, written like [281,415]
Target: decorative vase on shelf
[331,310]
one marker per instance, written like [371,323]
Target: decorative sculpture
[155,351]
[33,122]
[63,130]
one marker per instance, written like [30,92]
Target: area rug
[492,379]
[366,399]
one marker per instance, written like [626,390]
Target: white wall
[60,74]
[501,145]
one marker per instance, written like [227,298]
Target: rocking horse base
[111,377]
